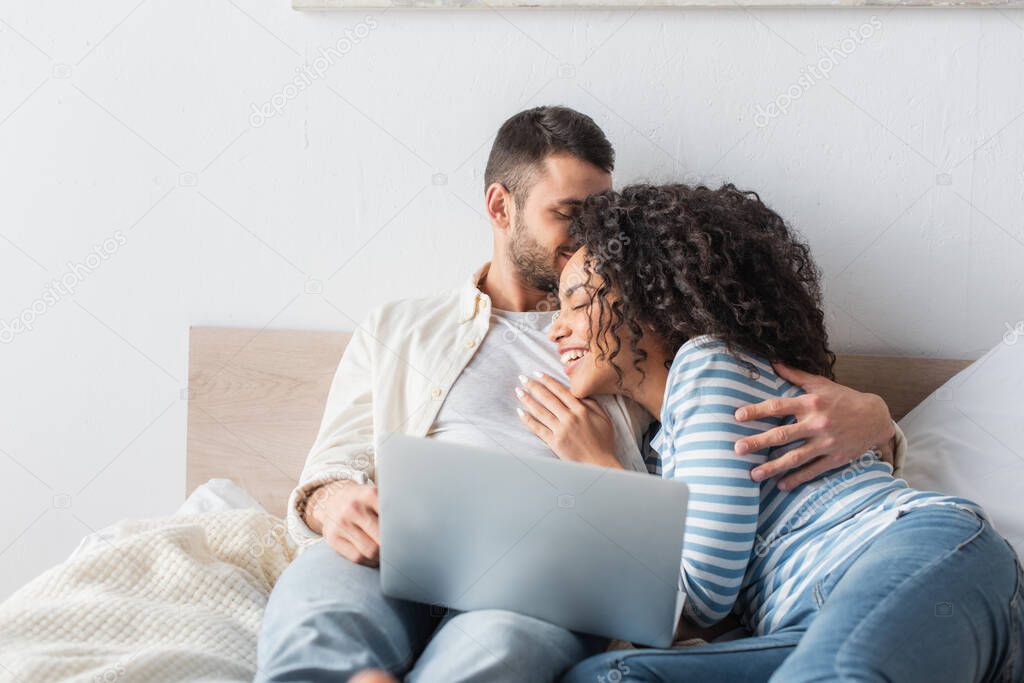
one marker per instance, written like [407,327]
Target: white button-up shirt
[393,377]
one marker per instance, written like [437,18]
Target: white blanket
[174,599]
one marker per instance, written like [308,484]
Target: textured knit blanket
[173,599]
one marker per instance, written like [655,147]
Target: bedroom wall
[159,171]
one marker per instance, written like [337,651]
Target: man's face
[539,245]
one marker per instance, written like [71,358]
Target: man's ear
[499,205]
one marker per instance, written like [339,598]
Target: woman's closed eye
[573,307]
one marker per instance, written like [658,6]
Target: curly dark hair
[684,261]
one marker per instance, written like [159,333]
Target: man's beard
[535,266]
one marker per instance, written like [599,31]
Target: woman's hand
[575,429]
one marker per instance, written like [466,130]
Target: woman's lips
[570,362]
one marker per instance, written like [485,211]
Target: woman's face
[571,332]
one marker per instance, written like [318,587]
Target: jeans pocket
[819,592]
[823,587]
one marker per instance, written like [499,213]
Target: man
[446,367]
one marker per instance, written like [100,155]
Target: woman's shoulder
[705,359]
[706,350]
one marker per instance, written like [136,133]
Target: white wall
[131,122]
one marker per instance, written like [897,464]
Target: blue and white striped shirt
[749,547]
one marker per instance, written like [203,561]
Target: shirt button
[470,343]
[436,392]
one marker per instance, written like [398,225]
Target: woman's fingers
[559,390]
[536,409]
[534,425]
[541,393]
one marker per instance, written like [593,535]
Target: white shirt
[481,407]
[397,371]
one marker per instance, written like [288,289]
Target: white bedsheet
[172,599]
[215,495]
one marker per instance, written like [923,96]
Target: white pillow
[967,438]
[216,495]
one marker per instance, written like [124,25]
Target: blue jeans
[936,597]
[327,619]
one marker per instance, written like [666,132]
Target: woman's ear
[499,206]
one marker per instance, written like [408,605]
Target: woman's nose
[558,328]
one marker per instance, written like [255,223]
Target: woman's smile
[571,357]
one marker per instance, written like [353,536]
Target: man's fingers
[775,407]
[370,524]
[793,375]
[371,499]
[344,547]
[809,471]
[778,436]
[367,513]
[367,547]
[791,460]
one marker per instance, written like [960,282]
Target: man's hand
[347,515]
[574,429]
[837,424]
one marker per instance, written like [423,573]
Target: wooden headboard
[256,398]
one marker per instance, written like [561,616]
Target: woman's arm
[705,387]
[699,431]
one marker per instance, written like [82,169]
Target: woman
[682,298]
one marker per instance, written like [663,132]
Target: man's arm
[343,449]
[894,451]
[837,425]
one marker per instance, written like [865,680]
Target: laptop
[588,548]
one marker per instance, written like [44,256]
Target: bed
[182,597]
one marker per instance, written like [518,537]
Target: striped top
[749,547]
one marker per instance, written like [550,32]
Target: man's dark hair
[526,139]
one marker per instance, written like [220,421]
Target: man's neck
[507,290]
